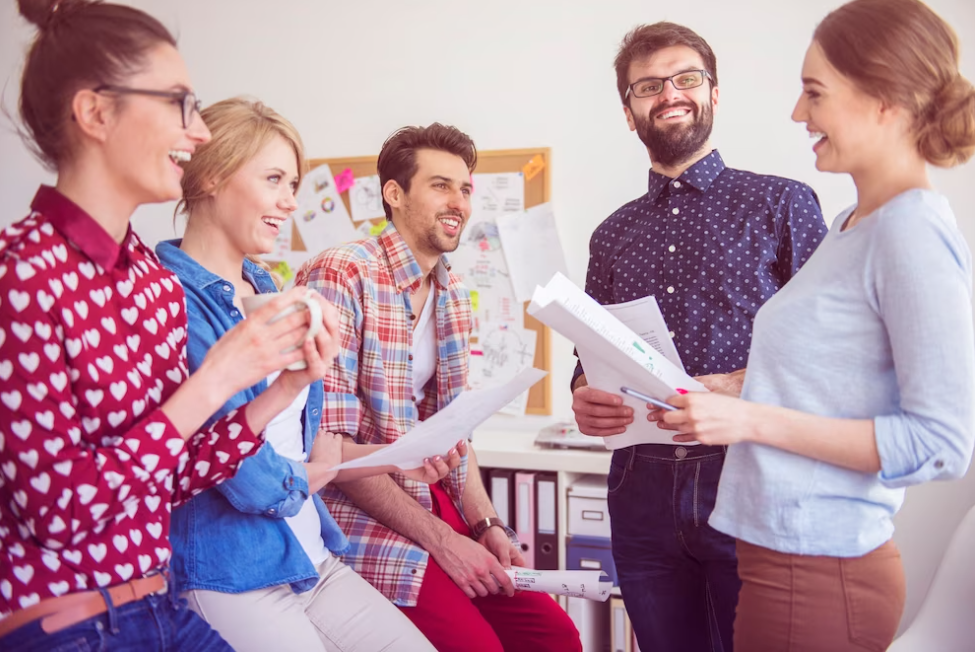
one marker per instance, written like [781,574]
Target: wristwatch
[482,526]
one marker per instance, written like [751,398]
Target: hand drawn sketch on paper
[366,199]
[495,194]
[501,353]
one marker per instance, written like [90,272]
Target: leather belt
[67,610]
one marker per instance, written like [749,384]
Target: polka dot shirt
[712,246]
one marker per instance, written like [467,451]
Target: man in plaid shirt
[437,551]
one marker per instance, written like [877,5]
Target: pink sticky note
[344,180]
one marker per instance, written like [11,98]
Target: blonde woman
[257,558]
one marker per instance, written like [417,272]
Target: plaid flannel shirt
[369,387]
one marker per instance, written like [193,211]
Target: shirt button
[939,464]
[413,398]
[675,211]
[226,288]
[412,317]
[672,334]
[671,248]
[670,290]
[411,357]
[272,511]
[291,482]
[234,313]
[677,184]
[680,452]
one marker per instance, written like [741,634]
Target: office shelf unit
[509,443]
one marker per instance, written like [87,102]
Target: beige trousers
[343,613]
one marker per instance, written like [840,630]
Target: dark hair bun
[38,12]
[947,137]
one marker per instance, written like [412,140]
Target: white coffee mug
[307,302]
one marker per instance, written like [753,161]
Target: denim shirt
[233,538]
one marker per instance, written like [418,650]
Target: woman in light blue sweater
[860,376]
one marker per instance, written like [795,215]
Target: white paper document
[496,194]
[366,199]
[501,353]
[531,248]
[644,318]
[613,356]
[443,430]
[480,264]
[321,217]
[592,585]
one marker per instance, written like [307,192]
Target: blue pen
[649,399]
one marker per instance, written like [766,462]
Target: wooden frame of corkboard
[537,191]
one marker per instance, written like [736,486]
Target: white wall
[515,73]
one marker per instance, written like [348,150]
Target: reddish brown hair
[643,41]
[79,44]
[903,53]
[397,159]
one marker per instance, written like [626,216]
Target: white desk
[514,448]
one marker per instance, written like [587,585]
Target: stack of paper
[613,355]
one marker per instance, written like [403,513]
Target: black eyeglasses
[186,100]
[682,81]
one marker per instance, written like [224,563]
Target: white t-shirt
[285,435]
[424,348]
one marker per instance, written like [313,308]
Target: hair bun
[42,12]
[947,136]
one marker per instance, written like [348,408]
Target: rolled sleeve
[268,484]
[906,456]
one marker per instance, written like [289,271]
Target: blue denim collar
[193,273]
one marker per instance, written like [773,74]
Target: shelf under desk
[509,443]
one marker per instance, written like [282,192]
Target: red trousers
[533,622]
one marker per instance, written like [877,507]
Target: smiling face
[252,205]
[432,215]
[676,124]
[144,136]
[849,126]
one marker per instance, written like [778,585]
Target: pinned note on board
[284,270]
[366,199]
[533,167]
[344,180]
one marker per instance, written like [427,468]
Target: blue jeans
[678,575]
[156,623]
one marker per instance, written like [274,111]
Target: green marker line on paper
[638,347]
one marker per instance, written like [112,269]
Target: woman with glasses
[860,375]
[101,429]
[257,556]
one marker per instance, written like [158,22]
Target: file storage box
[591,553]
[588,513]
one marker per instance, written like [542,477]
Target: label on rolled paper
[591,585]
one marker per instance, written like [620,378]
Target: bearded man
[712,244]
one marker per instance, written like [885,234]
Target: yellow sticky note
[284,271]
[533,167]
[377,228]
[475,300]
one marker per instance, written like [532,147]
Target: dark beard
[672,146]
